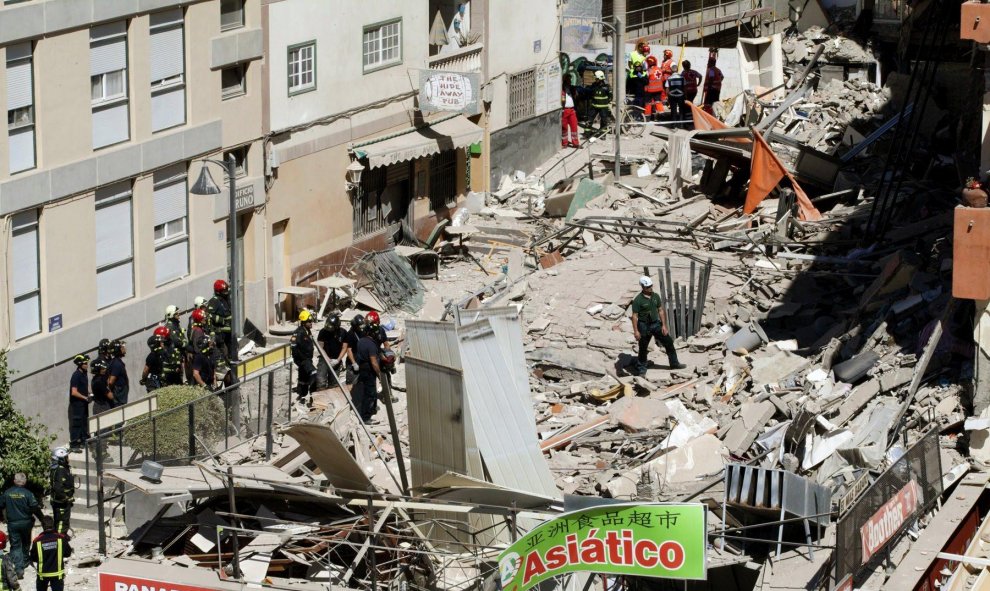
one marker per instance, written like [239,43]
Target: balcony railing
[464,59]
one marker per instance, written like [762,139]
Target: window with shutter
[108,83]
[114,245]
[25,275]
[20,107]
[171,236]
[231,14]
[168,95]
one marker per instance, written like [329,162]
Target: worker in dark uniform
[221,318]
[118,382]
[353,337]
[171,356]
[105,350]
[8,572]
[62,486]
[20,507]
[199,303]
[152,377]
[302,348]
[99,388]
[79,399]
[199,328]
[204,371]
[333,339]
[386,358]
[650,321]
[48,553]
[601,103]
[175,332]
[364,393]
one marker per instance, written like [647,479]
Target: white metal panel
[167,54]
[165,18]
[108,30]
[113,233]
[436,420]
[168,108]
[171,262]
[114,191]
[170,202]
[108,56]
[432,341]
[27,316]
[20,81]
[18,51]
[508,332]
[21,148]
[24,261]
[114,284]
[110,125]
[503,426]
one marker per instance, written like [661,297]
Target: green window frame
[375,55]
[299,75]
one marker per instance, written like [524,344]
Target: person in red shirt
[692,79]
[713,82]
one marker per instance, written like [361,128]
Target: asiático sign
[657,540]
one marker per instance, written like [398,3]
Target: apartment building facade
[112,105]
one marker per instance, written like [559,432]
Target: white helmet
[599,74]
[645,281]
[199,302]
[60,453]
[171,311]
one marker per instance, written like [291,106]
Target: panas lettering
[617,547]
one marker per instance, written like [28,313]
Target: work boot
[674,364]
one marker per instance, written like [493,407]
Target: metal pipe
[618,71]
[235,322]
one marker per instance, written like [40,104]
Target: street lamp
[618,91]
[354,171]
[205,185]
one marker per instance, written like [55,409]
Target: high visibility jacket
[675,86]
[49,551]
[218,311]
[634,59]
[655,84]
[667,67]
[601,96]
[713,79]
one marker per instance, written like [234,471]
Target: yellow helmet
[305,316]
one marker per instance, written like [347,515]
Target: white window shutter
[168,108]
[110,125]
[113,233]
[171,262]
[27,316]
[19,77]
[167,55]
[170,202]
[114,284]
[21,149]
[24,258]
[108,56]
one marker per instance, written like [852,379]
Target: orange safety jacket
[655,83]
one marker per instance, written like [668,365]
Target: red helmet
[162,331]
[220,287]
[199,316]
[3,540]
[651,61]
[372,317]
[668,53]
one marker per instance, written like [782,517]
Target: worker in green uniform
[20,507]
[650,321]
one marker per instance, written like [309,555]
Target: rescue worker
[386,358]
[568,116]
[99,388]
[105,350]
[171,356]
[353,337]
[364,393]
[48,553]
[118,382]
[654,89]
[8,572]
[667,67]
[636,58]
[154,363]
[20,507]
[199,303]
[62,486]
[220,317]
[713,83]
[601,103]
[692,79]
[675,96]
[375,330]
[638,83]
[176,336]
[198,329]
[302,348]
[333,339]
[79,399]
[203,368]
[649,320]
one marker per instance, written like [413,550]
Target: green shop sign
[657,540]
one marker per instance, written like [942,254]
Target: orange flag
[704,121]
[766,172]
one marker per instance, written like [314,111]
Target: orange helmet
[651,61]
[667,54]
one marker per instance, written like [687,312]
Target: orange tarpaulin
[766,171]
[704,121]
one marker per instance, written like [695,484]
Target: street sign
[54,323]
[244,197]
[658,540]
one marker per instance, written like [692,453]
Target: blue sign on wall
[55,323]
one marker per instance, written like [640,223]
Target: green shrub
[25,445]
[173,429]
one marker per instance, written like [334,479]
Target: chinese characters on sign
[448,91]
[657,540]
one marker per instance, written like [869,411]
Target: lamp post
[618,75]
[205,185]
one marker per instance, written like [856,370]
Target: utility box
[971,253]
[974,22]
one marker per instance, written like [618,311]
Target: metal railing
[464,60]
[685,17]
[208,425]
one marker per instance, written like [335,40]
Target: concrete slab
[639,414]
[753,417]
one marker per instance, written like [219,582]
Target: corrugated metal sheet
[508,331]
[432,341]
[502,425]
[436,420]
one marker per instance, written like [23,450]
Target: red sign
[888,520]
[111,582]
[845,585]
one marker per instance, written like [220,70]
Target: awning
[449,134]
